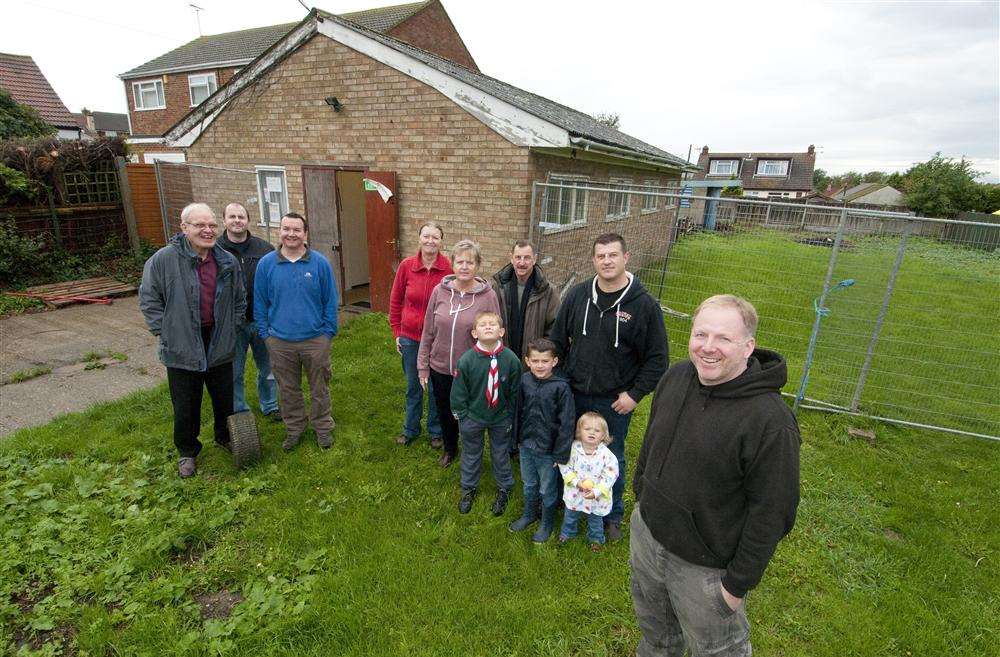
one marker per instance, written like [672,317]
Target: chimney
[811,150]
[704,150]
[88,119]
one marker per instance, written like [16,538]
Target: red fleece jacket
[411,291]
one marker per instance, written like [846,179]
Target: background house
[762,175]
[345,107]
[164,89]
[871,194]
[102,124]
[21,77]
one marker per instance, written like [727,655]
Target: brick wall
[566,253]
[432,29]
[178,100]
[450,167]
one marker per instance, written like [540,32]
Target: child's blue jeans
[537,474]
[595,526]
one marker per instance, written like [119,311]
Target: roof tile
[21,77]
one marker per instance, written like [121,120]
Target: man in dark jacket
[249,249]
[716,487]
[193,299]
[528,303]
[611,337]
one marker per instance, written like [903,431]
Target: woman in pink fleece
[447,333]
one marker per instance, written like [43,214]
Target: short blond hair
[463,246]
[601,422]
[746,310]
[487,313]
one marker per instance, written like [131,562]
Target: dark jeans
[537,474]
[415,394]
[441,383]
[267,386]
[618,428]
[185,395]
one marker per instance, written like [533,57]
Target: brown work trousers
[288,359]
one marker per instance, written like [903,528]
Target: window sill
[150,109]
[616,217]
[651,210]
[551,229]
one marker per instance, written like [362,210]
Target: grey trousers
[679,605]
[473,438]
[288,359]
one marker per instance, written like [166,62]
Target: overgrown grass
[359,550]
[936,360]
[17,305]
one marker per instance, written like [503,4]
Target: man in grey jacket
[193,298]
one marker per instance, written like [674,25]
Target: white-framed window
[565,205]
[272,194]
[200,87]
[618,202]
[779,195]
[772,167]
[148,95]
[650,203]
[723,167]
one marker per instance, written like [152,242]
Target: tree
[820,180]
[874,177]
[943,187]
[17,120]
[610,119]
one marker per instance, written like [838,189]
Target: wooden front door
[381,217]
[324,224]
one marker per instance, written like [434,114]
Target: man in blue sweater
[295,309]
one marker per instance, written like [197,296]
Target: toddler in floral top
[588,477]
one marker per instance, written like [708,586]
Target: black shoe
[273,416]
[546,526]
[465,504]
[613,531]
[226,446]
[500,501]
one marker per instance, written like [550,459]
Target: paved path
[60,339]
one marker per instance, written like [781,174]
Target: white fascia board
[144,140]
[512,123]
[191,135]
[190,67]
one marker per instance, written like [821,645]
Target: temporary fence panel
[902,314]
[182,184]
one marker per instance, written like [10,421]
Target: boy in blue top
[483,397]
[295,309]
[546,421]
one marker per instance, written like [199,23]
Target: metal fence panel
[181,184]
[903,312]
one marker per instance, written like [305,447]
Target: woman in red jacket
[416,278]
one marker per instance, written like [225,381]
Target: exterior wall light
[334,103]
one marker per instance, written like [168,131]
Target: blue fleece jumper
[295,301]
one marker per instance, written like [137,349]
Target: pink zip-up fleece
[448,324]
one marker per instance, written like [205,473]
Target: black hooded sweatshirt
[717,480]
[613,349]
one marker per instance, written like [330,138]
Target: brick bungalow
[333,103]
[163,90]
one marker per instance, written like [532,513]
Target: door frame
[333,169]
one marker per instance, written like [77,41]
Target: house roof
[243,46]
[22,78]
[111,121]
[799,177]
[574,122]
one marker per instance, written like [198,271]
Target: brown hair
[601,422]
[746,310]
[541,346]
[295,215]
[608,238]
[470,246]
[431,224]
[520,244]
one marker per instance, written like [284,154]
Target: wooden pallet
[101,287]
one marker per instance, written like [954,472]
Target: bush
[20,256]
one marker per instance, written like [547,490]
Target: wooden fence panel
[146,202]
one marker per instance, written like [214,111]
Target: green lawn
[359,550]
[938,356]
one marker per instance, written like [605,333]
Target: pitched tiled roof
[243,46]
[21,77]
[573,121]
[111,121]
[800,169]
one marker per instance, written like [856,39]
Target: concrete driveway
[60,340]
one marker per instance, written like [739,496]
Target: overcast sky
[874,85]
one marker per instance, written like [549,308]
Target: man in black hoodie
[611,337]
[249,249]
[716,487]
